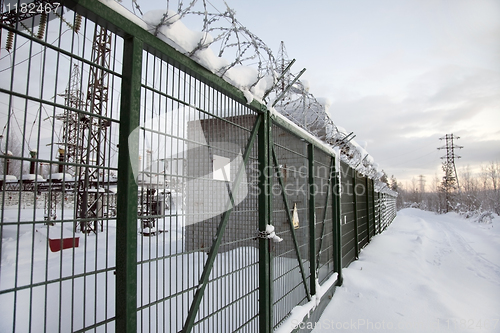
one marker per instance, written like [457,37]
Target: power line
[411,160]
[406,153]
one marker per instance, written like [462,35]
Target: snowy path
[426,273]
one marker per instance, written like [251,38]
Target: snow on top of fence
[382,187]
[254,82]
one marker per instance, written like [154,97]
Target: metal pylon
[93,136]
[73,97]
[449,168]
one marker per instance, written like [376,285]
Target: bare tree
[483,175]
[11,146]
[468,196]
[493,173]
[434,196]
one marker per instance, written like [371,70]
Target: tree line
[471,194]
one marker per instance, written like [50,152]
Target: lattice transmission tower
[74,99]
[94,128]
[450,179]
[282,66]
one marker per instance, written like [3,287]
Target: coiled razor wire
[234,41]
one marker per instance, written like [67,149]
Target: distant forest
[473,195]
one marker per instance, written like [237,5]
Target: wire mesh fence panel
[360,191]
[290,201]
[388,210]
[325,242]
[371,208]
[391,207]
[383,212]
[348,215]
[58,156]
[192,143]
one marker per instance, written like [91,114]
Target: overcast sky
[400,74]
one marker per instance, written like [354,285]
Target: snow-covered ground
[425,273]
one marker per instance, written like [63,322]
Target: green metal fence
[139,189]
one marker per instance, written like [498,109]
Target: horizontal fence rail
[142,193]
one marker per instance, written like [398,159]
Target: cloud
[469,29]
[446,99]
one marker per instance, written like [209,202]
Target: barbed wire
[240,46]
[233,40]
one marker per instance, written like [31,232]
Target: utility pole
[449,168]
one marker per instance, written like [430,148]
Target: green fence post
[379,213]
[367,209]
[337,221]
[372,191]
[312,220]
[126,219]
[265,278]
[356,238]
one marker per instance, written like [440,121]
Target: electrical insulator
[41,27]
[78,23]
[10,41]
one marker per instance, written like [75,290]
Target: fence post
[312,220]
[126,219]
[337,222]
[265,197]
[379,213]
[384,212]
[367,209]
[372,191]
[356,240]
